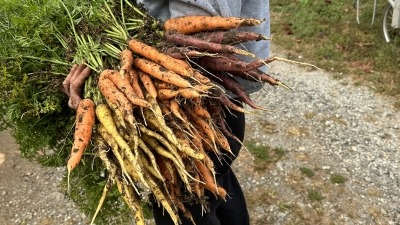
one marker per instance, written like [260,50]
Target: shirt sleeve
[258,9]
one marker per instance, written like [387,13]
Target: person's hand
[73,84]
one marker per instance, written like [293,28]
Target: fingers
[73,84]
[65,85]
[82,75]
[78,72]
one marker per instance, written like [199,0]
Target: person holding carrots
[233,211]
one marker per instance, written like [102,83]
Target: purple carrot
[259,76]
[230,63]
[236,88]
[185,52]
[190,41]
[230,37]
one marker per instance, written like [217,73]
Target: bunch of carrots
[153,127]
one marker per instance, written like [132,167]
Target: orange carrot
[135,83]
[126,57]
[209,180]
[124,86]
[189,93]
[148,84]
[164,94]
[201,111]
[194,24]
[161,73]
[222,141]
[116,99]
[174,106]
[159,84]
[156,56]
[204,127]
[85,119]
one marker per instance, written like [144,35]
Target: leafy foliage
[39,42]
[36,54]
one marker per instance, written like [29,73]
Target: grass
[314,195]
[326,34]
[337,179]
[307,171]
[264,155]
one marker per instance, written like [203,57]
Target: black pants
[234,210]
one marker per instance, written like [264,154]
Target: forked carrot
[124,86]
[194,24]
[126,57]
[116,99]
[209,180]
[160,72]
[148,84]
[133,74]
[156,56]
[174,106]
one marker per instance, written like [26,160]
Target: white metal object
[396,14]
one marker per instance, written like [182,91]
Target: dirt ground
[30,194]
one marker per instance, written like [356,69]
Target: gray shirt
[258,9]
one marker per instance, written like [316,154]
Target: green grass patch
[325,33]
[338,179]
[307,172]
[314,195]
[264,155]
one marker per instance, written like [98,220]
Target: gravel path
[30,194]
[329,127]
[334,129]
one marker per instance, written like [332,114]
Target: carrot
[148,84]
[258,75]
[194,24]
[134,80]
[225,130]
[164,94]
[103,113]
[204,127]
[174,106]
[223,63]
[185,52]
[116,99]
[236,88]
[228,103]
[189,93]
[126,57]
[209,180]
[124,86]
[200,77]
[201,111]
[84,122]
[230,37]
[187,40]
[160,72]
[158,57]
[159,84]
[222,141]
